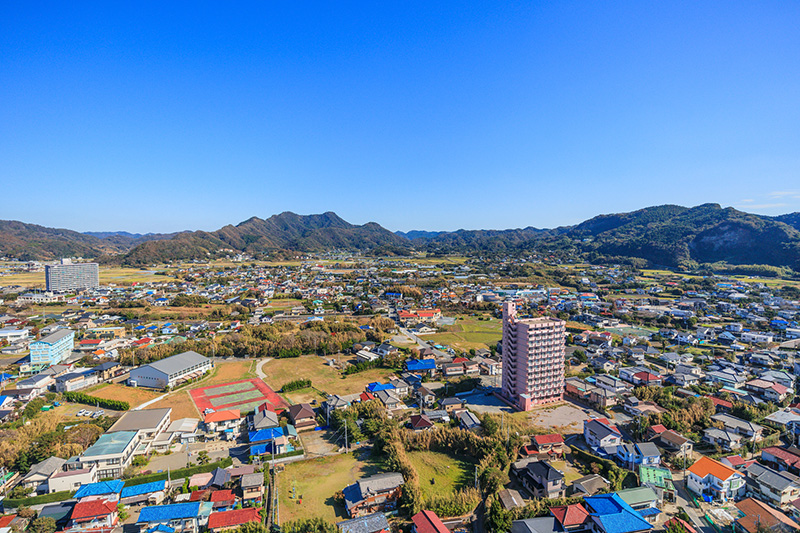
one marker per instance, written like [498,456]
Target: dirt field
[566,417]
[181,403]
[317,481]
[115,391]
[323,377]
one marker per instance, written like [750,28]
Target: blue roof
[161,528]
[265,434]
[415,365]
[173,511]
[261,449]
[144,488]
[614,515]
[650,511]
[4,376]
[99,488]
[375,386]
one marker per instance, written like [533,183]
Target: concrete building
[533,359]
[150,423]
[68,276]
[170,371]
[111,454]
[52,349]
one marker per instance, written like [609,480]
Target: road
[423,344]
[684,501]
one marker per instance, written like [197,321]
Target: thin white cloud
[784,194]
[762,206]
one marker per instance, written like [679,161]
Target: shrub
[296,385]
[79,397]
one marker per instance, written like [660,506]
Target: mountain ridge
[669,235]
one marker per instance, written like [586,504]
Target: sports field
[243,395]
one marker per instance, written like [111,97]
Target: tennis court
[243,395]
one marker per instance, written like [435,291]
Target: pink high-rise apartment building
[533,359]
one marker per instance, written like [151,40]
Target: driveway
[684,501]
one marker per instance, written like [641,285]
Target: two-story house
[779,489]
[542,480]
[707,477]
[601,435]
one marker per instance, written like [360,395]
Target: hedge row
[268,457]
[11,503]
[180,473]
[296,385]
[79,397]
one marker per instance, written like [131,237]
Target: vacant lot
[317,481]
[323,377]
[181,403]
[116,391]
[227,371]
[440,473]
[564,419]
[570,473]
[469,333]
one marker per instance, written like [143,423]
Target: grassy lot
[570,473]
[181,403]
[317,481]
[469,333]
[228,371]
[448,472]
[323,377]
[116,391]
[306,395]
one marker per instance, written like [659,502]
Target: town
[426,394]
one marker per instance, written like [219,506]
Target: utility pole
[345,435]
[476,476]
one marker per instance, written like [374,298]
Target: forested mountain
[32,242]
[668,235]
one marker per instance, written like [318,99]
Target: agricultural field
[316,481]
[116,391]
[118,276]
[243,395]
[323,377]
[440,473]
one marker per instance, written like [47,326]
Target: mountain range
[667,235]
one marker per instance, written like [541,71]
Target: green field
[447,472]
[323,377]
[235,398]
[469,333]
[317,481]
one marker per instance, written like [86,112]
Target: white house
[712,478]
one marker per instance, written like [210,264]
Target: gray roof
[591,483]
[47,467]
[265,419]
[648,449]
[767,476]
[178,363]
[252,480]
[380,483]
[143,419]
[545,524]
[732,421]
[56,336]
[365,524]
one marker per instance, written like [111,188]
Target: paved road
[422,344]
[684,501]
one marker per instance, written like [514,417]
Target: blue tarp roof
[101,487]
[416,365]
[173,511]
[375,386]
[265,434]
[614,515]
[650,511]
[161,528]
[144,488]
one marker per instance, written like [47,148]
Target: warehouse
[171,371]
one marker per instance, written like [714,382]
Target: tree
[203,458]
[497,519]
[43,524]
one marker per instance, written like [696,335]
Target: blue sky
[417,115]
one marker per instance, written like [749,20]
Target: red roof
[528,450]
[552,438]
[735,460]
[707,466]
[428,522]
[460,360]
[92,509]
[646,376]
[658,429]
[366,396]
[266,406]
[6,520]
[570,515]
[222,496]
[86,342]
[198,495]
[233,518]
[720,403]
[222,416]
[420,421]
[782,453]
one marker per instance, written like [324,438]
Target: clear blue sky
[417,115]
